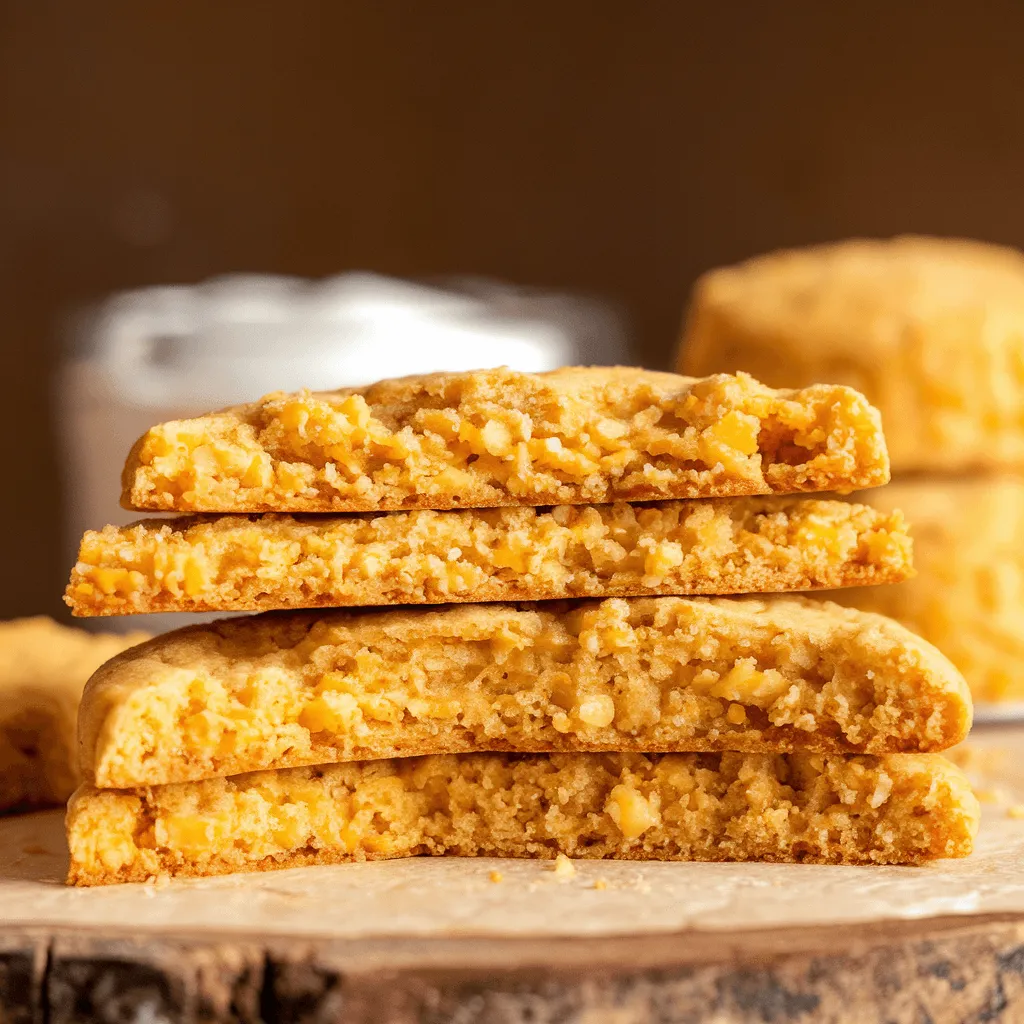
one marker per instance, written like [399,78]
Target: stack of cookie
[932,332]
[611,718]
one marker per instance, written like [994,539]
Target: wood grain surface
[959,970]
[144,966]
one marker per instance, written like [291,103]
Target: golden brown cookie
[656,673]
[43,668]
[900,809]
[968,596]
[931,330]
[723,546]
[497,438]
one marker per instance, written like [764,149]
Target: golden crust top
[863,295]
[664,673]
[497,438]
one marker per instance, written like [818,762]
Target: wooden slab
[436,940]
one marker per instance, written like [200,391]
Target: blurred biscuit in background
[43,669]
[931,330]
[968,596]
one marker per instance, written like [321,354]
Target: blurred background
[610,151]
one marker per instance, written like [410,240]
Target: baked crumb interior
[660,673]
[757,544]
[498,437]
[795,807]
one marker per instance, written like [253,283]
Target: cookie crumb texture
[647,674]
[931,330]
[724,546]
[498,438]
[43,669]
[902,809]
[968,596]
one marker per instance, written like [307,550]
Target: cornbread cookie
[43,668]
[724,546]
[496,438]
[900,809]
[655,673]
[969,596]
[930,330]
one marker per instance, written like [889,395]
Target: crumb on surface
[564,868]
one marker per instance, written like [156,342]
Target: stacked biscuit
[611,718]
[43,668]
[932,332]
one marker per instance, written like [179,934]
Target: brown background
[618,148]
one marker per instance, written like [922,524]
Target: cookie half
[724,546]
[646,674]
[901,809]
[497,438]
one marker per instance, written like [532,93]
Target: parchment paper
[442,896]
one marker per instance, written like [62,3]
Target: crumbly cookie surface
[968,596]
[661,673]
[723,546]
[497,438]
[900,809]
[43,668]
[930,330]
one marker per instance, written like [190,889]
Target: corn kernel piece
[662,558]
[738,430]
[191,833]
[108,579]
[289,833]
[560,722]
[259,472]
[444,422]
[507,557]
[497,438]
[631,811]
[597,711]
[196,580]
[747,684]
[331,712]
[609,430]
[736,715]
